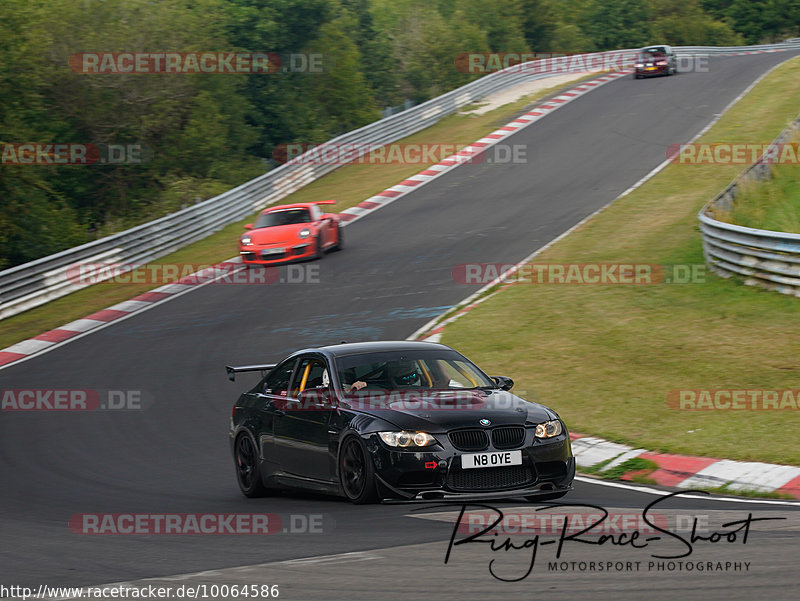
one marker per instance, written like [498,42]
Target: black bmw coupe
[386,421]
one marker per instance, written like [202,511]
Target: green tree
[540,26]
[427,48]
[35,220]
[617,24]
[281,111]
[378,60]
[751,18]
[683,23]
[500,20]
[786,15]
[341,93]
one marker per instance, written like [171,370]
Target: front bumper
[395,496]
[652,72]
[547,467]
[265,255]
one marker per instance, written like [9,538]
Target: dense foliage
[204,133]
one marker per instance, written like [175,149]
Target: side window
[278,381]
[309,375]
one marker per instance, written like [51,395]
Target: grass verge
[772,204]
[755,494]
[637,468]
[607,357]
[349,185]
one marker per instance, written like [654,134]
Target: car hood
[442,411]
[277,234]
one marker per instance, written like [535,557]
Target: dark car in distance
[655,60]
[401,420]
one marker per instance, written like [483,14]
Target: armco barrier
[32,284]
[764,258]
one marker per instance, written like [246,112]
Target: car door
[325,226]
[328,230]
[672,59]
[269,402]
[302,439]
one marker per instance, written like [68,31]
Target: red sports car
[290,233]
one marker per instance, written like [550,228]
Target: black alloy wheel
[247,467]
[356,472]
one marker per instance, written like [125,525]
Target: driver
[404,373]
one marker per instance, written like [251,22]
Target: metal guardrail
[32,284]
[764,258]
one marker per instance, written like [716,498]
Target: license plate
[651,69]
[491,459]
[273,251]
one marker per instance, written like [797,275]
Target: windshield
[410,370]
[649,54]
[284,217]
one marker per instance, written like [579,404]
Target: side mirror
[248,226]
[504,382]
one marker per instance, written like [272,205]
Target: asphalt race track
[172,456]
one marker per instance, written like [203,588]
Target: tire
[247,473]
[637,76]
[339,239]
[356,472]
[550,497]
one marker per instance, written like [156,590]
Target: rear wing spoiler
[232,371]
[324,202]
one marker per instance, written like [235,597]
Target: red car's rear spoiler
[324,202]
[263,368]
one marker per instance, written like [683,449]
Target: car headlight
[304,233]
[407,439]
[548,429]
[246,240]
